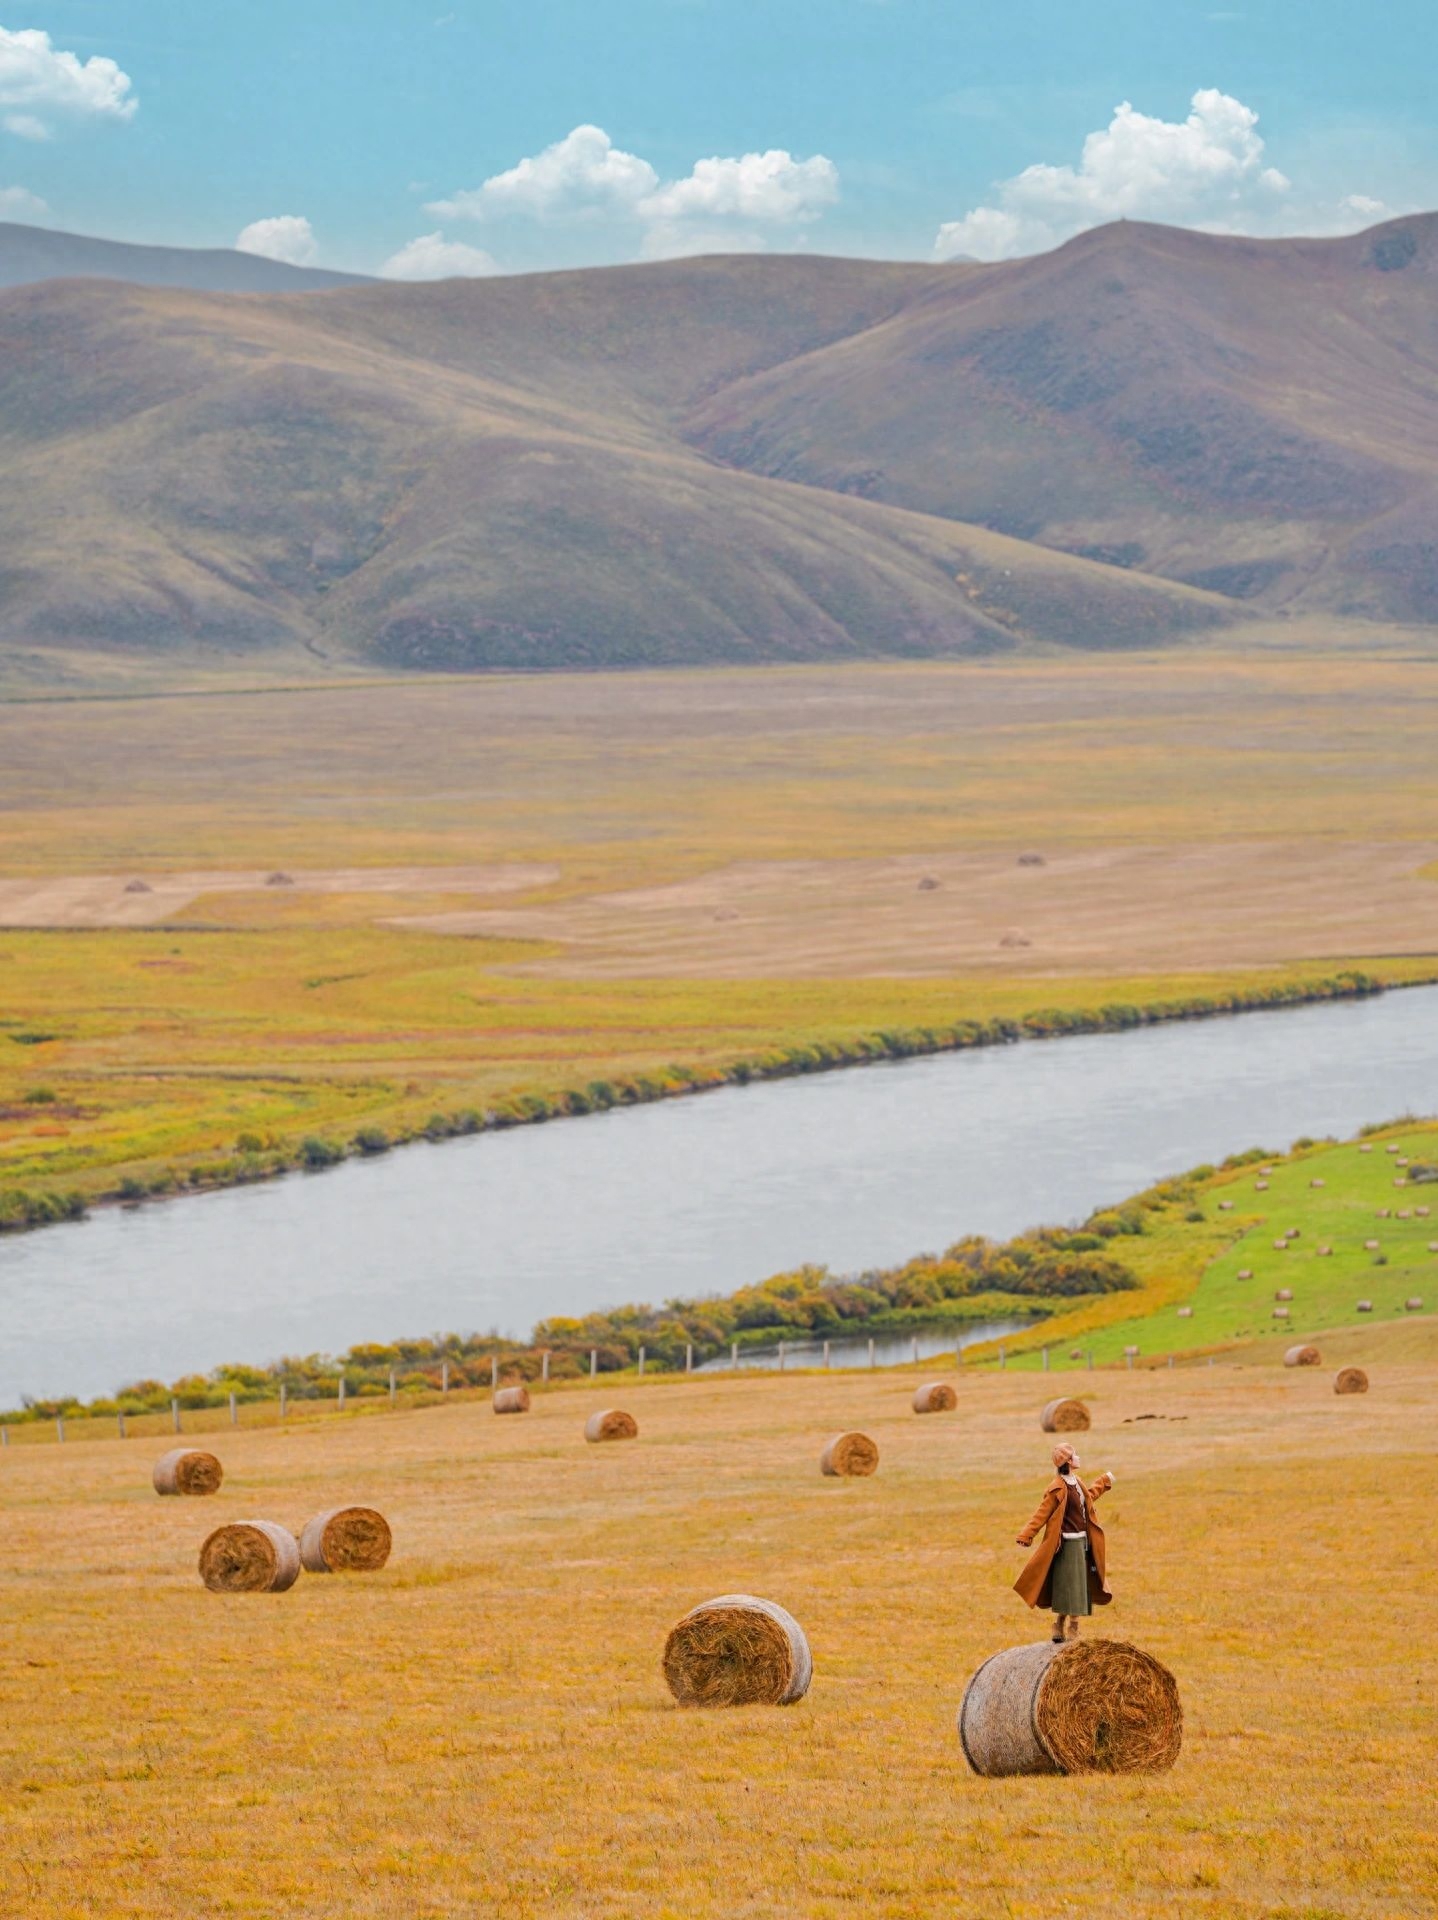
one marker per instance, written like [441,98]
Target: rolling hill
[30,254]
[1145,435]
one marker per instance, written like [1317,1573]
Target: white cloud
[584,173]
[283,236]
[756,186]
[18,203]
[1205,171]
[38,78]
[432,257]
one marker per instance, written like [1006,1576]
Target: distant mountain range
[28,254]
[1145,435]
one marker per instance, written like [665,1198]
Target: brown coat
[1035,1583]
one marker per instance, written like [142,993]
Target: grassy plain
[1301,788]
[484,1727]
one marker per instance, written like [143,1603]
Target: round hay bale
[1324,1252]
[1185,1313]
[1383,1213]
[1413,1304]
[1225,1206]
[1317,1183]
[511,1400]
[1284,1293]
[849,1456]
[937,1397]
[250,1556]
[1302,1357]
[610,1423]
[1433,1246]
[1260,1186]
[1350,1380]
[1280,1313]
[1245,1273]
[737,1651]
[1370,1246]
[1265,1171]
[1281,1246]
[1404,1213]
[1365,1148]
[1088,1706]
[1392,1147]
[1365,1306]
[1293,1233]
[345,1540]
[187,1470]
[1065,1416]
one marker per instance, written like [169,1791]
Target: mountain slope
[1117,444]
[31,254]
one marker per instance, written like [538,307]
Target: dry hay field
[483,1726]
[509,886]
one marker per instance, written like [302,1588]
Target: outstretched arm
[1040,1519]
[1099,1487]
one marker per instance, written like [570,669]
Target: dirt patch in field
[114,900]
[1106,910]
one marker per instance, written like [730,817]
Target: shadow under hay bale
[849,1456]
[250,1556]
[1350,1380]
[187,1470]
[611,1424]
[937,1397]
[1065,1416]
[346,1540]
[737,1651]
[1302,1357]
[1089,1706]
[511,1400]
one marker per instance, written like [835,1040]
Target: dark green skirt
[1070,1591]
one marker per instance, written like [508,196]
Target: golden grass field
[712,865]
[483,1726]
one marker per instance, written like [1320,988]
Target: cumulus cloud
[584,173]
[1206,171]
[432,257]
[18,203]
[733,202]
[39,79]
[283,236]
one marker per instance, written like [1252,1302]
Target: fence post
[175,1414]
[5,1435]
[826,1356]
[341,1399]
[594,1363]
[544,1367]
[284,1400]
[1003,1358]
[734,1355]
[1046,1359]
[916,1349]
[689,1357]
[1090,1359]
[391,1387]
[1210,1359]
[641,1363]
[1129,1358]
[234,1412]
[60,1427]
[120,1417]
[444,1376]
[871,1350]
[1170,1359]
[781,1356]
[493,1372]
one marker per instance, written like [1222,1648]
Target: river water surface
[854,1168]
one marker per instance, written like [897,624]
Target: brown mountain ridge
[1144,435]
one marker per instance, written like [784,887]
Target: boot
[1058,1633]
[1072,1629]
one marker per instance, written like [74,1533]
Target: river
[854,1168]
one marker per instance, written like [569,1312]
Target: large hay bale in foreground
[345,1540]
[187,1470]
[1065,1416]
[937,1397]
[511,1400]
[1088,1706]
[1302,1357]
[250,1556]
[1350,1380]
[849,1456]
[737,1651]
[611,1424]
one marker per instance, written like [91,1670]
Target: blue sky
[472,137]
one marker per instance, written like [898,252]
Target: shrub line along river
[687,1197]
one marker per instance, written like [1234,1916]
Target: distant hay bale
[1433,1246]
[928,884]
[1370,1246]
[1323,1252]
[1032,860]
[1245,1273]
[610,1423]
[1413,1304]
[1293,1233]
[1302,1357]
[1065,1416]
[1088,1706]
[849,1456]
[1404,1213]
[1392,1147]
[1260,1186]
[1365,1306]
[1265,1171]
[1075,1353]
[1317,1183]
[1350,1380]
[138,886]
[1280,1313]
[250,1556]
[1131,1353]
[1015,940]
[1281,1246]
[937,1397]
[511,1400]
[279,880]
[187,1470]
[1185,1313]
[1366,1148]
[1225,1206]
[1383,1213]
[737,1651]
[345,1540]
[1284,1293]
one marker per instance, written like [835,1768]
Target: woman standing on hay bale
[1067,1569]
